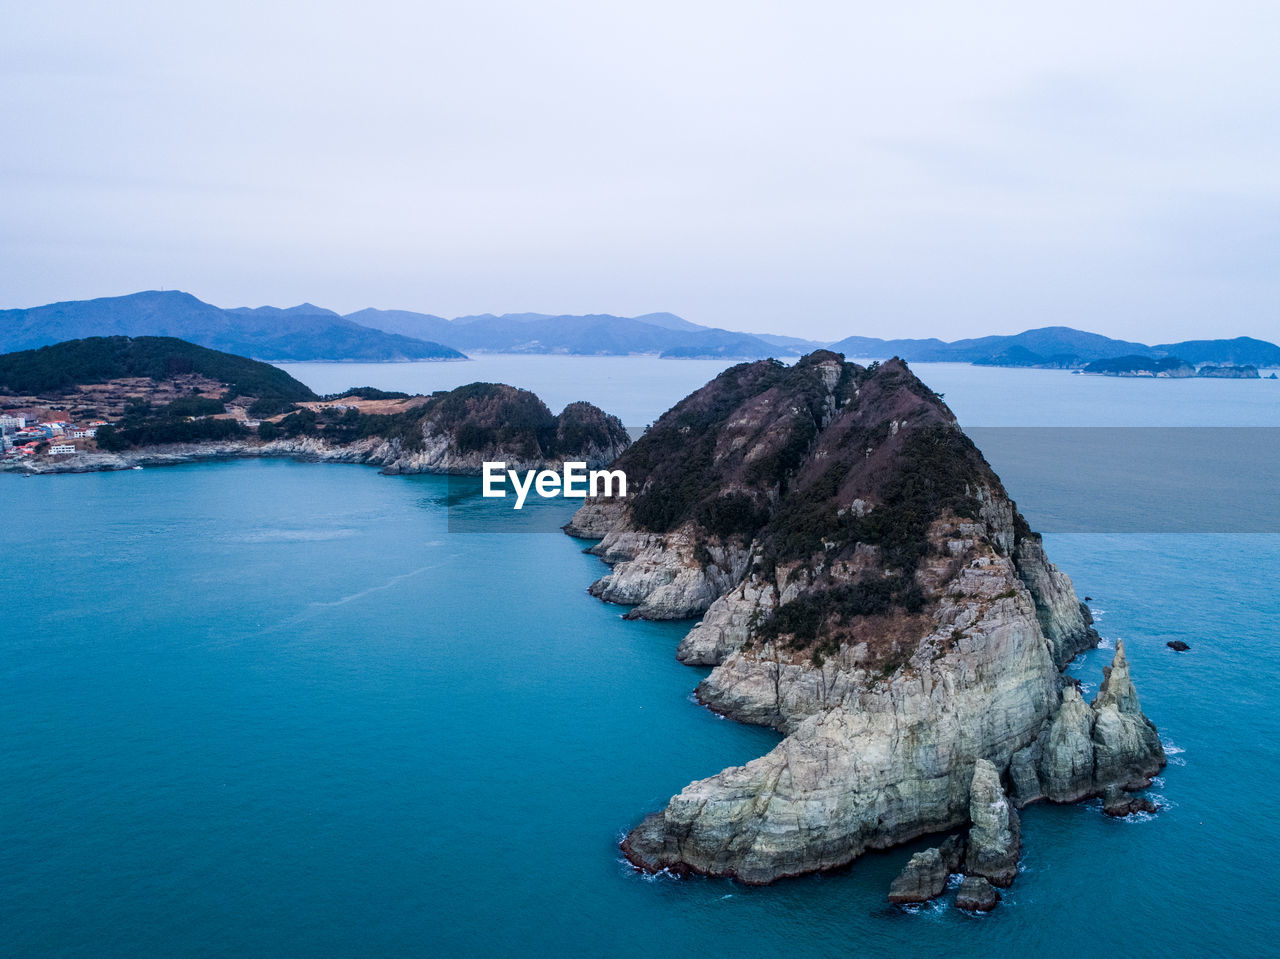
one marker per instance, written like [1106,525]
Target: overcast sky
[820,169]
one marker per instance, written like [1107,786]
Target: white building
[62,449]
[17,422]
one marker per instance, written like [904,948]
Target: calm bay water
[639,389]
[273,708]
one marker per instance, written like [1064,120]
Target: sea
[273,708]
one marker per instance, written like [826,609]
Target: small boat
[137,467]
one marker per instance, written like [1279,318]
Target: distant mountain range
[309,332]
[304,332]
[594,334]
[1059,347]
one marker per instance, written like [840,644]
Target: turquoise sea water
[272,708]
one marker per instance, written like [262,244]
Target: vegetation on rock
[98,359]
[806,465]
[475,418]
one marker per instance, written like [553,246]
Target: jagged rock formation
[1066,752]
[1066,756]
[995,838]
[976,895]
[866,586]
[925,875]
[1088,748]
[1127,749]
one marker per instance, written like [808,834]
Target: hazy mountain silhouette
[1058,347]
[302,332]
[310,332]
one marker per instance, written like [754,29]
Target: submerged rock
[976,895]
[995,838]
[1177,646]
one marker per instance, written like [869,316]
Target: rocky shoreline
[916,674]
[389,455]
[454,433]
[176,454]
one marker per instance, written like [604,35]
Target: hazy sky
[822,169]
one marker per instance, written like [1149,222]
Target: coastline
[303,448]
[435,457]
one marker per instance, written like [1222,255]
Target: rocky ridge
[866,586]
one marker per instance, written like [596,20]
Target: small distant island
[1170,367]
[110,403]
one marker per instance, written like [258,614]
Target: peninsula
[109,403]
[863,583]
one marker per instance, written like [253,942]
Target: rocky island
[1169,367]
[864,584]
[161,401]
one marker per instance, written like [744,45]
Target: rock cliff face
[1088,749]
[865,586]
[995,838]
